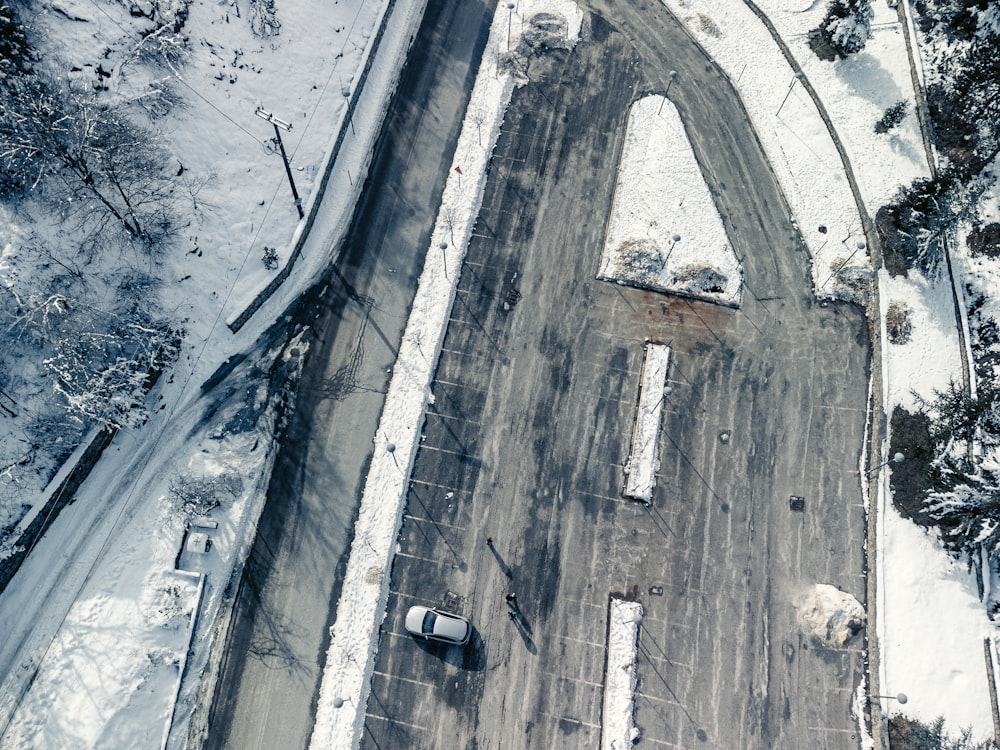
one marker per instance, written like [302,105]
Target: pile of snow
[832,616]
[643,461]
[665,232]
[618,730]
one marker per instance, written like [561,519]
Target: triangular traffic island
[665,232]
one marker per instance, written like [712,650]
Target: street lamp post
[900,698]
[673,241]
[280,125]
[510,18]
[797,77]
[673,75]
[897,458]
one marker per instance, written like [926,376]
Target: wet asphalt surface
[535,398]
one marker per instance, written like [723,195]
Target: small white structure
[197,542]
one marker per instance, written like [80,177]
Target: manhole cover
[796,503]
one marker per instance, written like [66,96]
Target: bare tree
[96,157]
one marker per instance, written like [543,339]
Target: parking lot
[534,402]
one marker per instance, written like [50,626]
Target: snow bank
[643,460]
[665,232]
[618,730]
[830,615]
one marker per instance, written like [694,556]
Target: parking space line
[646,738]
[453,417]
[585,643]
[458,385]
[561,676]
[429,447]
[418,557]
[369,715]
[604,497]
[425,483]
[833,729]
[466,354]
[572,719]
[435,523]
[394,677]
[657,699]
[601,607]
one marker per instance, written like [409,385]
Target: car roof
[450,626]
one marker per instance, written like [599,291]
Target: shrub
[892,117]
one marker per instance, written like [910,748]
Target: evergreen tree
[846,27]
[892,117]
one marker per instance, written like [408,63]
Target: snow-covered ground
[110,675]
[98,607]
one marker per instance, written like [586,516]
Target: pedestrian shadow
[504,567]
[523,628]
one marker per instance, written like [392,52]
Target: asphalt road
[535,398]
[276,645]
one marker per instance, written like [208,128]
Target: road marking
[435,523]
[585,643]
[562,676]
[463,386]
[646,738]
[833,729]
[466,354]
[572,720]
[601,607]
[440,486]
[418,557]
[394,677]
[453,417]
[657,699]
[369,715]
[606,497]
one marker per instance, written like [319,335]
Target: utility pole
[280,125]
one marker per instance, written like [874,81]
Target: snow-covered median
[350,658]
[665,232]
[642,462]
[618,728]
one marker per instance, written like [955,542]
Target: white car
[440,626]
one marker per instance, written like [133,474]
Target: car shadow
[470,657]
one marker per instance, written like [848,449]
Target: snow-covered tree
[104,377]
[88,158]
[845,28]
